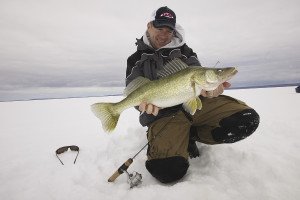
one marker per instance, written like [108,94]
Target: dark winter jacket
[146,61]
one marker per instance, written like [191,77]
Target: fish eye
[220,70]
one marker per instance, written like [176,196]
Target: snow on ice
[263,166]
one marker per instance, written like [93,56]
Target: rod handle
[121,170]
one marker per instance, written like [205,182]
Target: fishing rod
[135,178]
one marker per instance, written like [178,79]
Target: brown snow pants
[169,136]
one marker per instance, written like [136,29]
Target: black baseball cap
[164,16]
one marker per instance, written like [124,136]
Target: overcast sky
[85,43]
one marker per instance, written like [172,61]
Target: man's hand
[149,108]
[218,91]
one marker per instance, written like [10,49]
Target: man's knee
[236,127]
[168,170]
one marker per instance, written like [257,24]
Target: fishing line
[216,64]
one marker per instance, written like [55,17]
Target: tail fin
[106,113]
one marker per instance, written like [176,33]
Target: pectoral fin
[192,105]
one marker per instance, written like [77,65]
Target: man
[172,132]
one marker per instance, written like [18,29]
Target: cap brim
[163,24]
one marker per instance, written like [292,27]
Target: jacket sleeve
[132,70]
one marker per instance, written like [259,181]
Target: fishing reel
[134,179]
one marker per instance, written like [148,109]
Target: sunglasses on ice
[64,149]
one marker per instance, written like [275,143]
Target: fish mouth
[234,72]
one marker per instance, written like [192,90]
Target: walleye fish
[180,84]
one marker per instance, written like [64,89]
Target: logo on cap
[167,15]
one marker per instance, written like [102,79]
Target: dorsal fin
[171,67]
[135,84]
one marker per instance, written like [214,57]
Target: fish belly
[168,99]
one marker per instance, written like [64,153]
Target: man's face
[160,37]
